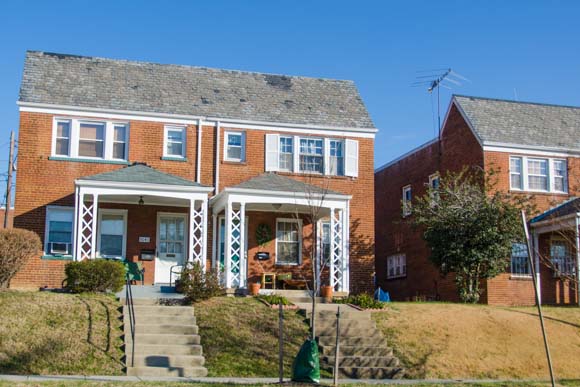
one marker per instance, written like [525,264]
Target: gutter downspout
[577,233]
[217,158]
[199,133]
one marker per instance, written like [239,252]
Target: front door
[171,245]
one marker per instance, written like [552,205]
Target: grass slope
[59,334]
[437,340]
[240,337]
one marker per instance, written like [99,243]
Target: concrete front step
[184,372]
[362,361]
[162,338]
[369,372]
[162,319]
[156,310]
[306,300]
[356,351]
[168,361]
[331,315]
[168,349]
[363,341]
[163,329]
[346,332]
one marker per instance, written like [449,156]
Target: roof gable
[91,82]
[526,124]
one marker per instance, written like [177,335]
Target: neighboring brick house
[170,163]
[535,148]
[3,215]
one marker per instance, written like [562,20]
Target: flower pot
[254,288]
[326,292]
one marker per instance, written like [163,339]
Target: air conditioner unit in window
[60,248]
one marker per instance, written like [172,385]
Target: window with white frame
[407,196]
[174,141]
[112,233]
[234,146]
[286,162]
[562,260]
[538,174]
[59,231]
[520,265]
[311,155]
[89,139]
[288,241]
[336,158]
[396,266]
[62,143]
[326,235]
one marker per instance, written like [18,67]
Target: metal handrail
[130,307]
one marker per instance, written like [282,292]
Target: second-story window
[234,146]
[538,174]
[91,139]
[516,180]
[407,196]
[311,155]
[286,154]
[336,158]
[560,176]
[174,141]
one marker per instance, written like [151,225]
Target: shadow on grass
[545,317]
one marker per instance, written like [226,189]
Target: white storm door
[171,245]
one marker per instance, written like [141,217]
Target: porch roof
[568,207]
[141,173]
[274,182]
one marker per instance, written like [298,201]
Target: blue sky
[526,48]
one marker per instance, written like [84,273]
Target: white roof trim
[176,118]
[530,149]
[249,191]
[405,155]
[465,118]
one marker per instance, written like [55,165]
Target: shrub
[95,275]
[16,247]
[274,299]
[363,300]
[197,285]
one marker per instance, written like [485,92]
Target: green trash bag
[306,366]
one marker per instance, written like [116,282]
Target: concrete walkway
[233,380]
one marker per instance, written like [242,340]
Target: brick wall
[43,182]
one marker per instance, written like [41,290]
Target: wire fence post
[533,271]
[281,342]
[337,347]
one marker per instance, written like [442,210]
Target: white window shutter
[326,153]
[272,150]
[351,158]
[296,155]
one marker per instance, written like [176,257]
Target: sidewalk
[244,381]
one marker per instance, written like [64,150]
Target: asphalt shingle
[140,173]
[523,123]
[197,91]
[274,182]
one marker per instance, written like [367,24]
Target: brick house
[535,148]
[165,164]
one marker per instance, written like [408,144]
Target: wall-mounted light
[141,201]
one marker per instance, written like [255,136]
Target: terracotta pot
[254,288]
[326,292]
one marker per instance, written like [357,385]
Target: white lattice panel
[235,247]
[337,253]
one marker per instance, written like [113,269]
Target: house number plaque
[144,239]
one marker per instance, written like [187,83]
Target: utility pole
[9,183]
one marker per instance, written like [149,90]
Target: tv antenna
[434,80]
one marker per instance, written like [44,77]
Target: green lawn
[60,334]
[240,337]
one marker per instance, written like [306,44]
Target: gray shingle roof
[172,89]
[523,123]
[273,182]
[139,173]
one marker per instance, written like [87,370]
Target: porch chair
[135,271]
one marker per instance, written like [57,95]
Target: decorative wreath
[263,234]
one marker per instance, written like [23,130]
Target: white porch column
[204,235]
[94,226]
[242,261]
[197,231]
[191,233]
[332,247]
[577,234]
[227,243]
[346,250]
[76,225]
[536,252]
[214,225]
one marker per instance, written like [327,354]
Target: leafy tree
[470,228]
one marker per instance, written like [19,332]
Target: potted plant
[326,292]
[254,288]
